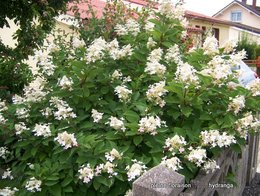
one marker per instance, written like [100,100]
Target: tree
[35,19]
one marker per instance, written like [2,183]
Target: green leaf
[96,184]
[131,116]
[66,181]
[55,190]
[186,111]
[236,148]
[137,140]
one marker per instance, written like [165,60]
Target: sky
[208,7]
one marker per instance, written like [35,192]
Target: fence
[255,64]
[162,181]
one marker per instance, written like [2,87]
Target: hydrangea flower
[130,27]
[65,83]
[173,54]
[112,155]
[214,138]
[254,87]
[67,140]
[135,170]
[8,191]
[4,152]
[236,104]
[123,92]
[173,163]
[210,166]
[20,127]
[174,143]
[197,156]
[7,174]
[150,124]
[210,45]
[187,74]
[22,113]
[155,92]
[153,66]
[116,123]
[33,185]
[97,116]
[96,50]
[63,110]
[109,168]
[86,173]
[42,130]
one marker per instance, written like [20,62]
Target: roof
[98,7]
[195,15]
[255,11]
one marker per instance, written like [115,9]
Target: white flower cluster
[218,69]
[197,156]
[112,155]
[116,75]
[4,152]
[116,123]
[42,130]
[86,173]
[96,50]
[175,143]
[155,93]
[3,106]
[210,46]
[173,54]
[33,185]
[153,65]
[65,83]
[64,111]
[2,119]
[20,128]
[173,163]
[229,46]
[34,92]
[214,138]
[210,166]
[187,74]
[236,104]
[123,93]
[246,123]
[130,27]
[67,140]
[17,99]
[77,43]
[22,113]
[109,168]
[46,112]
[236,58]
[7,174]
[166,8]
[45,61]
[254,87]
[150,43]
[8,191]
[116,52]
[135,170]
[97,116]
[150,124]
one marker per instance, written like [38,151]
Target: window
[215,33]
[236,16]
